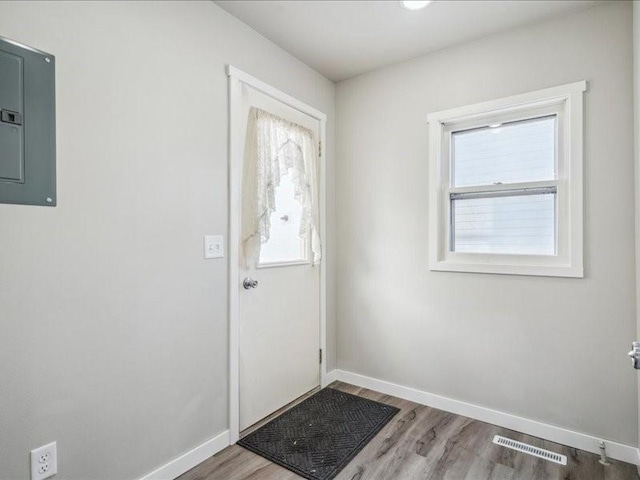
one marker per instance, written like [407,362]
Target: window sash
[554,185]
[522,115]
[453,232]
[531,117]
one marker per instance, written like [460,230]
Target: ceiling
[342,39]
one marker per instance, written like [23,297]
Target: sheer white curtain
[274,147]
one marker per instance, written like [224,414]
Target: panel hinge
[319,149]
[320,355]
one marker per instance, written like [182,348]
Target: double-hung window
[506,185]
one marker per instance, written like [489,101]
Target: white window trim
[569,259]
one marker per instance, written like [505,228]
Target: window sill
[531,269]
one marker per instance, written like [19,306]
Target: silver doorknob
[249,283]
[635,355]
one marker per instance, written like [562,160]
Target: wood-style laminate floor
[423,443]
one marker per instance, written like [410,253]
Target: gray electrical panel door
[11,132]
[27,125]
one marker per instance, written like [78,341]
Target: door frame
[236,146]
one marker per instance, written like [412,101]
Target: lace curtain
[274,147]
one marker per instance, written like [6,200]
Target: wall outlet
[44,462]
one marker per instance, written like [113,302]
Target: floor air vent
[530,449]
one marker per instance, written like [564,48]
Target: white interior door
[279,319]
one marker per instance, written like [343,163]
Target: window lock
[7,116]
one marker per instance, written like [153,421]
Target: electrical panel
[27,125]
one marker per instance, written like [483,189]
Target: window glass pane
[513,152]
[517,224]
[284,244]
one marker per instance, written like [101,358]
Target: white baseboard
[582,441]
[330,377]
[187,461]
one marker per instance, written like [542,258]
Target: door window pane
[522,151]
[284,244]
[516,224]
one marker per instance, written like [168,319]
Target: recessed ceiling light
[414,5]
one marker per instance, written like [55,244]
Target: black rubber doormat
[318,437]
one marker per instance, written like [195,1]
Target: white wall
[549,349]
[113,328]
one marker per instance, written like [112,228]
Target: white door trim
[236,143]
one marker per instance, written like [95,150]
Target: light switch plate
[213,246]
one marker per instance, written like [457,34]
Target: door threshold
[278,412]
